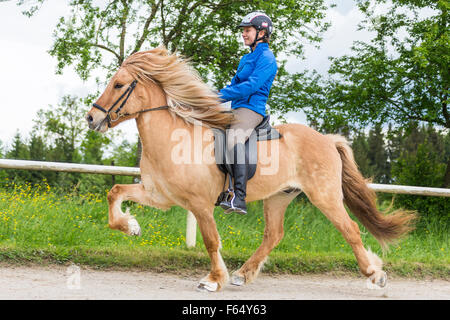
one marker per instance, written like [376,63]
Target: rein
[127,93]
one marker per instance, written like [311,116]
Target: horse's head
[157,80]
[122,100]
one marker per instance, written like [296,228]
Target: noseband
[126,94]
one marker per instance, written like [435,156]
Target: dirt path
[55,282]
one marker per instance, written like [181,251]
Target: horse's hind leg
[332,207]
[274,209]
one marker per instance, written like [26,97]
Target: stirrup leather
[226,197]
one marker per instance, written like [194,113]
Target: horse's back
[301,156]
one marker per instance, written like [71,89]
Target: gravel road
[74,283]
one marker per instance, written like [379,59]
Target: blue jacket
[250,86]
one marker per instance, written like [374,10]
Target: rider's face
[248,34]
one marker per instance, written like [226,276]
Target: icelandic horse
[321,166]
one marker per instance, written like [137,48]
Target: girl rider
[248,93]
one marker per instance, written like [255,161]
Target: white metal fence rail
[191,226]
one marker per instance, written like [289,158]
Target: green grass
[39,224]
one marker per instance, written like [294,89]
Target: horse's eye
[118,86]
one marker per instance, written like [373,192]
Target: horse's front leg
[123,221]
[218,276]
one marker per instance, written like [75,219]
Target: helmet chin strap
[257,39]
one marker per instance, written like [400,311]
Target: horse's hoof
[237,280]
[382,280]
[206,286]
[377,281]
[133,227]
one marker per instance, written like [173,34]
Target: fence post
[191,230]
[113,177]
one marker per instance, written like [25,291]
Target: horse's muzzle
[99,125]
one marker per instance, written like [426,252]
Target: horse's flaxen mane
[187,95]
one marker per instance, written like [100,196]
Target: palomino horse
[322,166]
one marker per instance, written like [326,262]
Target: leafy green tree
[101,35]
[395,139]
[378,155]
[371,155]
[422,168]
[360,148]
[19,150]
[37,148]
[397,77]
[63,128]
[124,154]
[92,149]
[418,158]
[93,146]
[205,31]
[38,152]
[400,75]
[446,156]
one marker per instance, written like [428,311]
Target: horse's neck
[152,126]
[160,131]
[156,130]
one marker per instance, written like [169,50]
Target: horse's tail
[362,201]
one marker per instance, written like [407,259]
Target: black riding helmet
[259,21]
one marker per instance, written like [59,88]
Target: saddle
[262,132]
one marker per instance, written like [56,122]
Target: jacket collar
[260,46]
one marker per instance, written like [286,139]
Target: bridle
[127,93]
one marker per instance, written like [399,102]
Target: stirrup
[235,209]
[224,199]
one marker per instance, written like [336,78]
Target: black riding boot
[240,173]
[240,187]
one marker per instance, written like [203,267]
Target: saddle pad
[262,132]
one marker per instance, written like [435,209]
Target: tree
[378,156]
[66,138]
[37,148]
[423,167]
[92,147]
[417,157]
[62,129]
[103,35]
[124,154]
[204,31]
[19,150]
[399,76]
[361,150]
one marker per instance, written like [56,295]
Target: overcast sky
[28,81]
